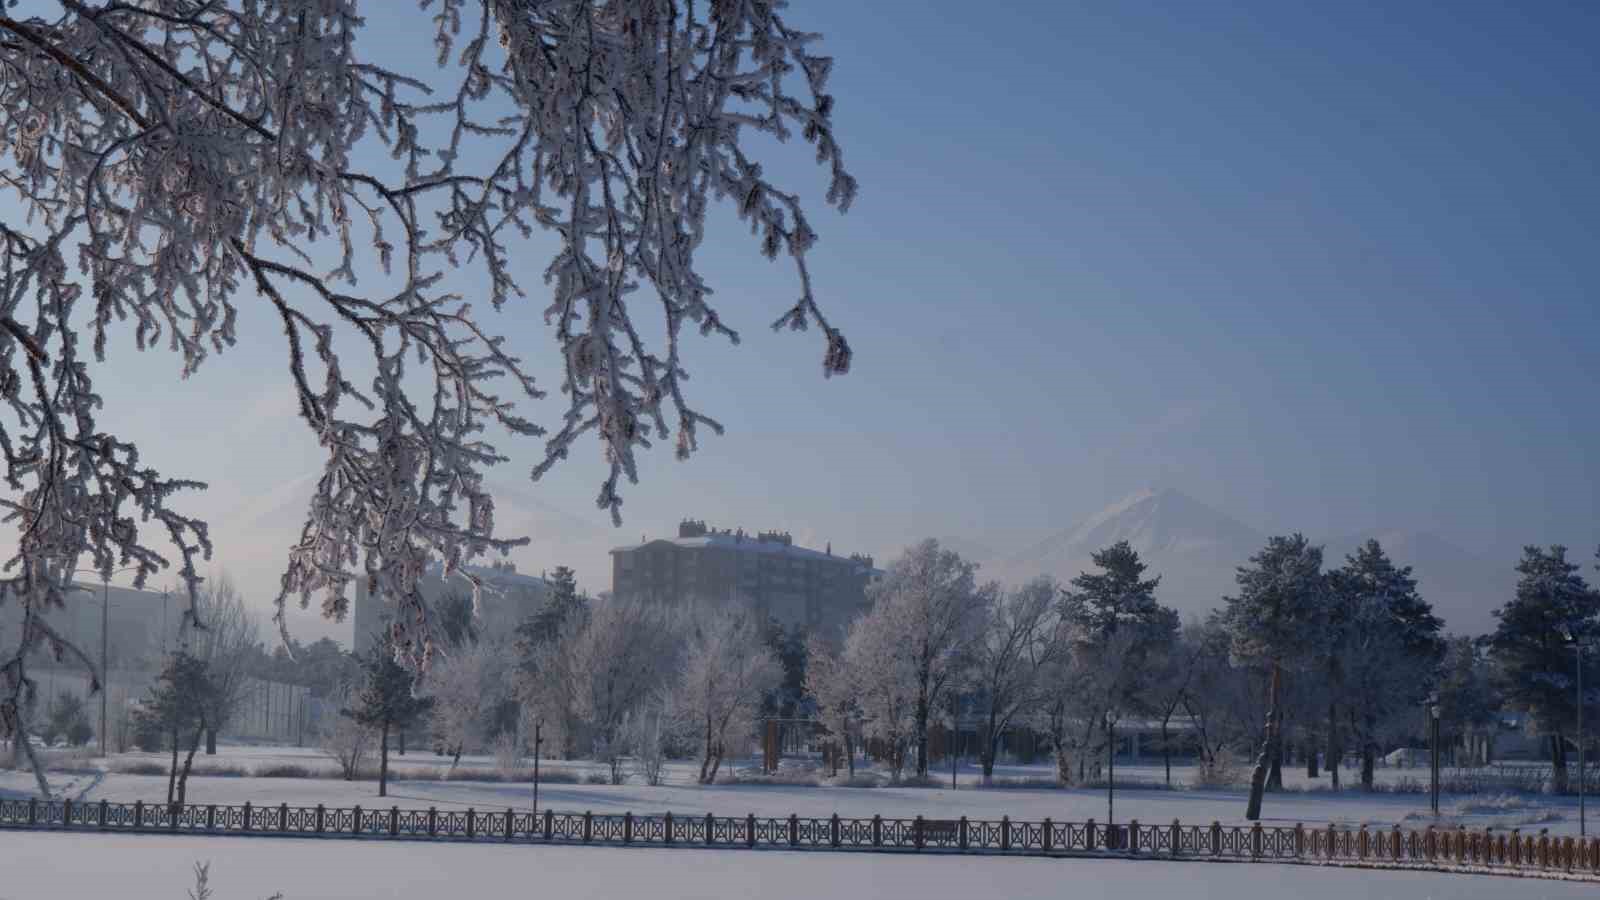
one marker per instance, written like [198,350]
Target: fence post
[138,812]
[1133,836]
[961,836]
[102,813]
[1255,841]
[472,820]
[1361,842]
[833,829]
[319,818]
[710,822]
[627,827]
[916,837]
[394,821]
[1299,840]
[66,812]
[33,810]
[1045,838]
[877,831]
[549,824]
[355,820]
[1216,837]
[1567,853]
[211,817]
[750,830]
[283,817]
[1394,847]
[1088,835]
[794,830]
[510,821]
[1177,836]
[1005,832]
[247,815]
[588,826]
[433,820]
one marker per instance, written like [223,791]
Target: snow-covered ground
[149,867]
[1303,803]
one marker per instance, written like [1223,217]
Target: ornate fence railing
[1434,848]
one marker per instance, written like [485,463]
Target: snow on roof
[748,544]
[498,577]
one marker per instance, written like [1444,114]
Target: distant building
[765,572]
[508,598]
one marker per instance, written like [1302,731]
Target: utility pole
[1111,770]
[105,671]
[1577,648]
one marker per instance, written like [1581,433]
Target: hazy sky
[1327,267]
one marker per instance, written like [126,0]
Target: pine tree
[177,708]
[386,702]
[1273,622]
[1385,643]
[1530,644]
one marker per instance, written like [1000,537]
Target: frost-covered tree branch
[165,163]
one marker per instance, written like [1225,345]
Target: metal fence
[1431,848]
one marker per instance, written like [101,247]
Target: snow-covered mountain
[1193,547]
[1196,550]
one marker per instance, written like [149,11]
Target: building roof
[493,576]
[747,544]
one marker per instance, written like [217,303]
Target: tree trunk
[455,758]
[188,763]
[211,742]
[1275,773]
[1311,757]
[1558,763]
[402,742]
[1335,752]
[705,759]
[922,734]
[383,764]
[991,743]
[172,776]
[850,753]
[1369,761]
[1166,750]
[1258,776]
[716,763]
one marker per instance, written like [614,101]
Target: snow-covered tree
[877,666]
[828,681]
[1272,622]
[1530,645]
[225,637]
[343,739]
[177,707]
[931,600]
[1115,628]
[464,684]
[624,652]
[1385,646]
[727,672]
[1468,699]
[1022,637]
[169,163]
[385,703]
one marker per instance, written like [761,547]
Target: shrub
[595,778]
[1023,783]
[858,780]
[290,770]
[137,767]
[1219,770]
[778,779]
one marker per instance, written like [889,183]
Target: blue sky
[1328,267]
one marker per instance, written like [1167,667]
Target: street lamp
[1577,648]
[1433,743]
[105,621]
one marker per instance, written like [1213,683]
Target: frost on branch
[170,160]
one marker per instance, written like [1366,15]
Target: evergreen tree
[1273,623]
[1117,628]
[562,603]
[453,614]
[1469,704]
[67,719]
[1385,642]
[386,702]
[1530,644]
[177,708]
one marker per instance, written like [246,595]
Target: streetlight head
[1566,633]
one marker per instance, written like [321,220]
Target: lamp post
[1111,770]
[1577,649]
[538,726]
[105,623]
[1433,744]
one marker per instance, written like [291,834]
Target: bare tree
[224,639]
[463,685]
[1021,639]
[878,672]
[931,598]
[171,162]
[727,672]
